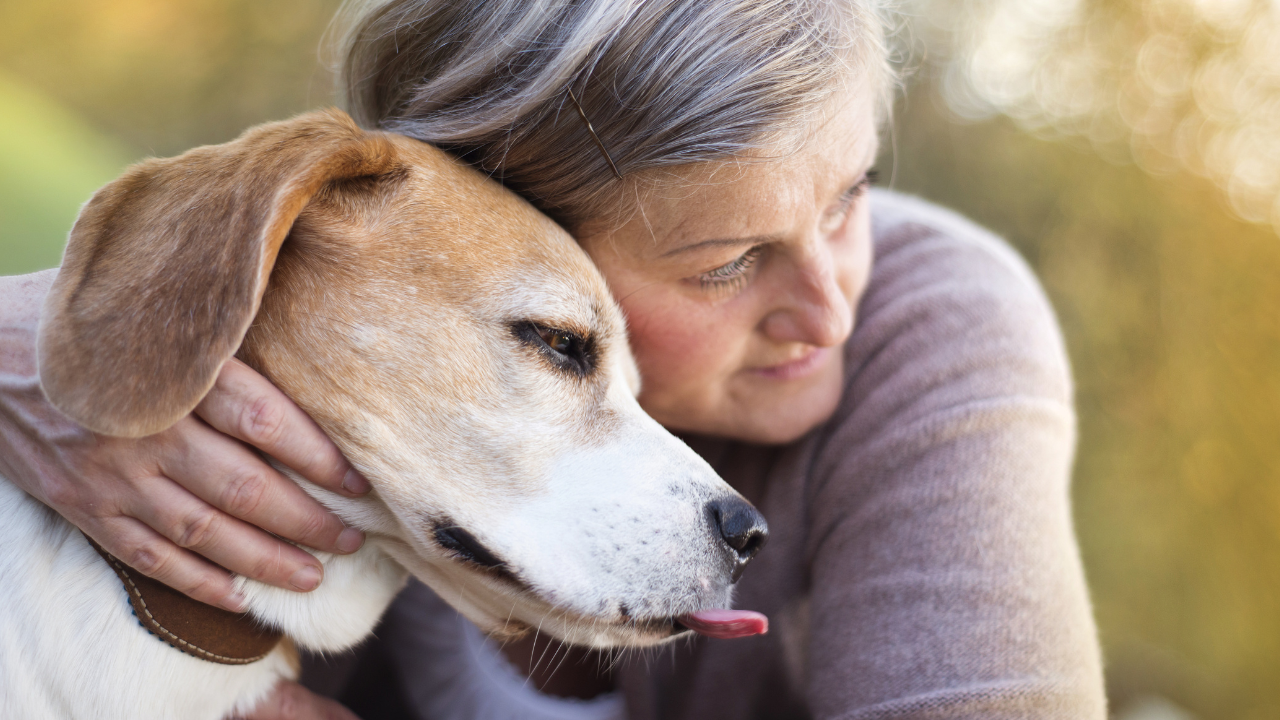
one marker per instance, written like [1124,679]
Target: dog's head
[457,345]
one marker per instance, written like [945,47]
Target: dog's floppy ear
[166,266]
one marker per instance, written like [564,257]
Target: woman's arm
[945,576]
[181,505]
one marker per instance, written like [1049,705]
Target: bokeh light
[1172,85]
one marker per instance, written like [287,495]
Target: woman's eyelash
[732,272]
[857,189]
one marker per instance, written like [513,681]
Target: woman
[712,157]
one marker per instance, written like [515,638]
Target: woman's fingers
[129,495]
[229,476]
[117,490]
[153,555]
[291,701]
[91,481]
[245,405]
[193,524]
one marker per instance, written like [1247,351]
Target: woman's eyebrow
[722,242]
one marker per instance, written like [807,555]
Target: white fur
[590,526]
[70,646]
[587,543]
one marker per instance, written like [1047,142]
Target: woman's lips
[797,368]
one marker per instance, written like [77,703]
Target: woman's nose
[816,309]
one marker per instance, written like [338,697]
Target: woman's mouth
[793,369]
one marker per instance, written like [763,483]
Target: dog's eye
[565,348]
[561,342]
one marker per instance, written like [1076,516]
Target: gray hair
[663,82]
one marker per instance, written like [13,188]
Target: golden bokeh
[1173,85]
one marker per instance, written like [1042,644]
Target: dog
[460,349]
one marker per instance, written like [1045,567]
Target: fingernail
[306,579]
[235,602]
[350,540]
[355,483]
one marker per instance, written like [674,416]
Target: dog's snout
[740,527]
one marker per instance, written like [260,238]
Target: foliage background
[1128,149]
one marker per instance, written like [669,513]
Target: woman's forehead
[759,195]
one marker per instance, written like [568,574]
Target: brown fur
[213,221]
[167,266]
[406,298]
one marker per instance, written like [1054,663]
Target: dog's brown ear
[166,266]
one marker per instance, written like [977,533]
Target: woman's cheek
[684,354]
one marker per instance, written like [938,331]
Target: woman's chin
[764,410]
[781,425]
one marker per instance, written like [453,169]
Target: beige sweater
[921,561]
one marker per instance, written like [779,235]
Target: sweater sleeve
[943,566]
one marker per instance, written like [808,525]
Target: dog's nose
[740,527]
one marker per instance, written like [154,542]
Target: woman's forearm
[21,297]
[25,417]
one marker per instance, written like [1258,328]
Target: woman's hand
[177,505]
[291,701]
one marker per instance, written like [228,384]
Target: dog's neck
[188,625]
[342,611]
[356,589]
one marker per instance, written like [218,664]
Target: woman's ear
[166,266]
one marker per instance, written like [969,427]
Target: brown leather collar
[196,629]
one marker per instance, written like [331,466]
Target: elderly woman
[884,380]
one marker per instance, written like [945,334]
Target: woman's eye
[731,273]
[852,193]
[869,178]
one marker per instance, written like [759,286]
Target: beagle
[460,349]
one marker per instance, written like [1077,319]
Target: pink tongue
[726,624]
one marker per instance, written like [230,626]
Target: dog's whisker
[545,648]
[567,652]
[614,659]
[506,625]
[533,665]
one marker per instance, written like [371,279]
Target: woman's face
[740,282]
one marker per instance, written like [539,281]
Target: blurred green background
[1129,150]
